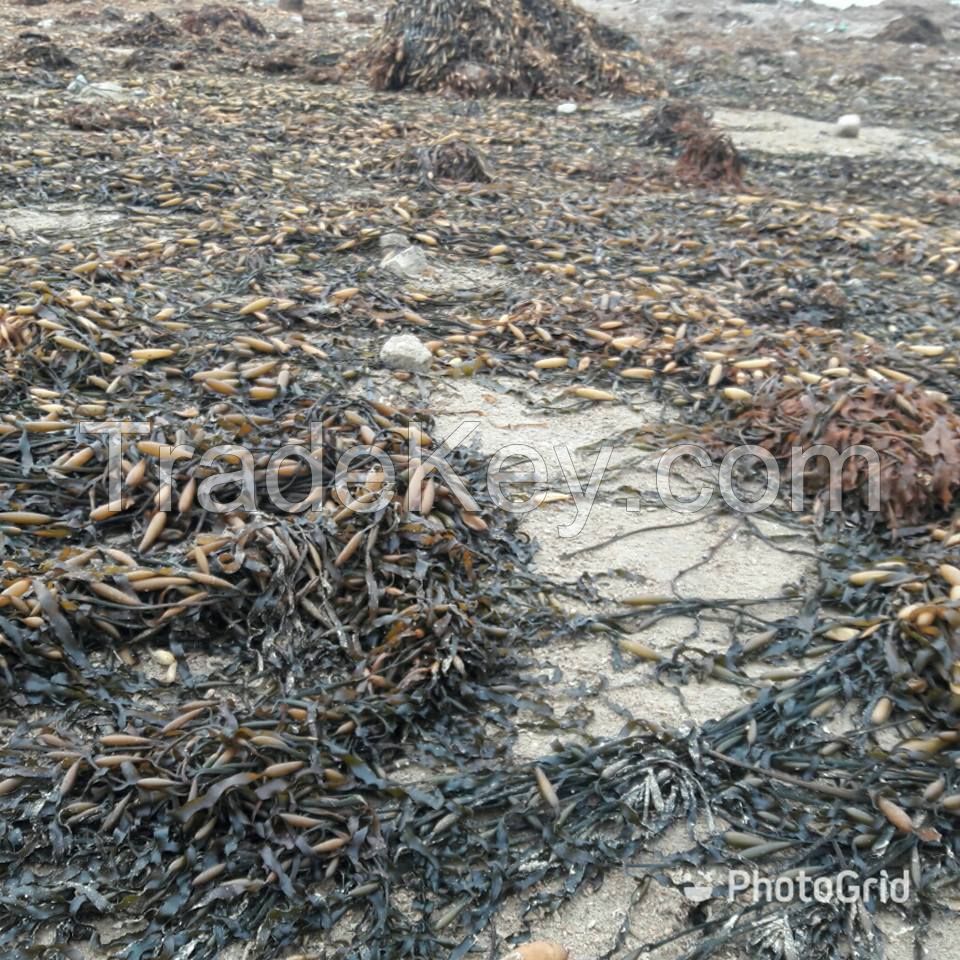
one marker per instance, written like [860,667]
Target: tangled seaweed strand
[388,605]
[44,54]
[791,796]
[159,558]
[706,155]
[710,157]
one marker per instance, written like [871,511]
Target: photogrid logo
[800,887]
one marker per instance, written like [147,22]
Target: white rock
[566,108]
[848,126]
[108,90]
[390,241]
[104,90]
[409,262]
[406,352]
[77,83]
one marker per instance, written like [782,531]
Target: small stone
[77,83]
[566,108]
[829,294]
[390,241]
[409,262]
[406,352]
[103,90]
[848,126]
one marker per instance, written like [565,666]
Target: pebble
[390,241]
[566,108]
[107,90]
[82,89]
[406,262]
[405,352]
[829,294]
[848,126]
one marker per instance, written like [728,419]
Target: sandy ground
[623,560]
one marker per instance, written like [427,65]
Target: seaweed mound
[149,30]
[214,16]
[450,159]
[710,157]
[913,28]
[672,121]
[526,48]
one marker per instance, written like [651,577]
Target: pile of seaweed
[149,30]
[358,610]
[706,155]
[449,159]
[214,16]
[527,48]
